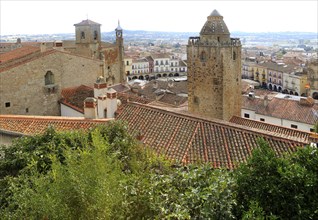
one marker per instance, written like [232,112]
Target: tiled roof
[276,67]
[189,139]
[160,56]
[31,125]
[129,97]
[279,130]
[86,22]
[282,108]
[18,53]
[74,97]
[36,55]
[22,60]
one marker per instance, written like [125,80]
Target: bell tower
[88,38]
[214,71]
[120,46]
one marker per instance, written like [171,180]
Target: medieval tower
[88,38]
[120,45]
[214,71]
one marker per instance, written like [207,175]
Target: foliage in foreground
[106,174]
[279,187]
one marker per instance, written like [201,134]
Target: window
[234,55]
[293,126]
[312,130]
[7,104]
[218,39]
[27,110]
[203,56]
[127,63]
[95,35]
[262,119]
[246,115]
[196,100]
[82,35]
[49,78]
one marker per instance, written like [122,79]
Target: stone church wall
[23,89]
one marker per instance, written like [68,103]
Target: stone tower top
[215,13]
[215,26]
[87,22]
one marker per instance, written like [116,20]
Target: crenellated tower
[214,71]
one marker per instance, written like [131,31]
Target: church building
[32,77]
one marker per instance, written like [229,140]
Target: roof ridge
[221,123]
[52,118]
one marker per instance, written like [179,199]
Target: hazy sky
[39,17]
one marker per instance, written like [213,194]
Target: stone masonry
[214,70]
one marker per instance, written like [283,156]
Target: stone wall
[24,87]
[214,80]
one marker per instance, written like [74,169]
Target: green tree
[285,187]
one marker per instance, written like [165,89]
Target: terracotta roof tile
[31,125]
[282,108]
[279,130]
[18,53]
[74,96]
[188,139]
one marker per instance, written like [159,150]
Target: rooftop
[187,138]
[32,125]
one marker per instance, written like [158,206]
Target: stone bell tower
[214,71]
[88,38]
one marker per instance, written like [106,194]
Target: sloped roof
[282,108]
[74,96]
[86,22]
[215,13]
[188,139]
[279,130]
[18,53]
[214,25]
[31,125]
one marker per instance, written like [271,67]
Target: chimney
[43,47]
[101,106]
[100,87]
[90,110]
[251,95]
[111,102]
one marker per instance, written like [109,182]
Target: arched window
[203,56]
[49,78]
[95,35]
[82,35]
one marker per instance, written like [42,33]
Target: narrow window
[7,104]
[49,78]
[218,39]
[82,35]
[203,56]
[95,35]
[246,115]
[27,110]
[262,119]
[293,126]
[127,63]
[234,55]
